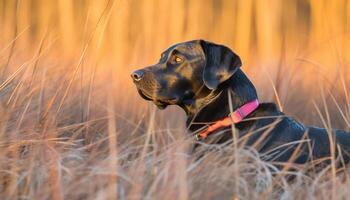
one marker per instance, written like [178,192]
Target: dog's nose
[137,75]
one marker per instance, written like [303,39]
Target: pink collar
[233,118]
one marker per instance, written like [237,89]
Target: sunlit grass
[72,125]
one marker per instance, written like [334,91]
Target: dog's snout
[137,75]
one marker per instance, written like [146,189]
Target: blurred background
[134,30]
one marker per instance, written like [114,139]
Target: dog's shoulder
[268,109]
[284,126]
[265,114]
[272,112]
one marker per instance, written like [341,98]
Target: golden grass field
[72,125]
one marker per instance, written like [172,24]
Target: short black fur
[200,84]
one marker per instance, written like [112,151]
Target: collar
[233,118]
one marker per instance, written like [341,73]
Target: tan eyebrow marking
[182,66]
[195,60]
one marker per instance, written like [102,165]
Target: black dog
[205,80]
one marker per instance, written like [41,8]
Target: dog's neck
[217,109]
[215,105]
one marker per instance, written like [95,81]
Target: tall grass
[72,125]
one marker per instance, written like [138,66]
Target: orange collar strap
[233,118]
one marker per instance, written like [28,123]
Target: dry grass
[72,125]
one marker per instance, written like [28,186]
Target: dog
[206,81]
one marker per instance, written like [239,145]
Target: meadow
[72,125]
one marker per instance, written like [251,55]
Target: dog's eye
[178,59]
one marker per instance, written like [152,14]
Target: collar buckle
[197,137]
[234,117]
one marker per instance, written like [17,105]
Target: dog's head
[186,72]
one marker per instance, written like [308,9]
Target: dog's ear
[221,64]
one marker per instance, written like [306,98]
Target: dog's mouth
[161,103]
